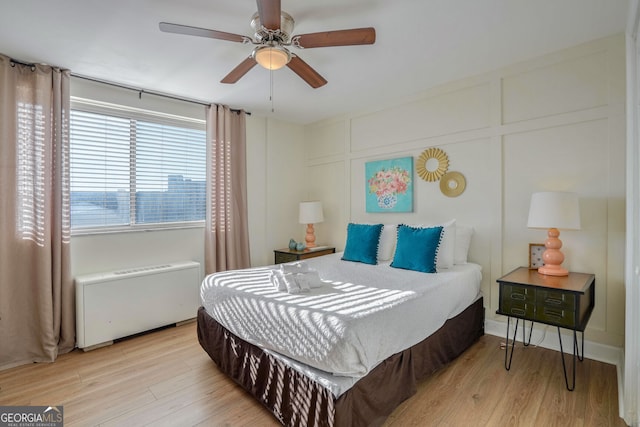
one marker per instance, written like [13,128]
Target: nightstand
[561,301]
[288,255]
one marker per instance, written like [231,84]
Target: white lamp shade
[271,57]
[554,210]
[310,213]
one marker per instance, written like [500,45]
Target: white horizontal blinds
[99,170]
[170,173]
[127,171]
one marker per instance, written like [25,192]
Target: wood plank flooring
[165,379]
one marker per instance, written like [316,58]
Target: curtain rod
[32,65]
[26,64]
[141,91]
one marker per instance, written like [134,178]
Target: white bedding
[361,316]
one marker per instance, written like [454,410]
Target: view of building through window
[126,171]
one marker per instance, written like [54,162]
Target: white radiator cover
[120,303]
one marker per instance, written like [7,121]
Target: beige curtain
[227,230]
[37,305]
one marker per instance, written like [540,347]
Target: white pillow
[463,241]
[387,243]
[447,245]
[444,259]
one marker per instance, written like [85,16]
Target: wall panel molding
[569,103]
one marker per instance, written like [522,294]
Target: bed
[317,356]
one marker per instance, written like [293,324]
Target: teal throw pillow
[417,248]
[362,243]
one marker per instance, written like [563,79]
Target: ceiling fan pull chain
[271,89]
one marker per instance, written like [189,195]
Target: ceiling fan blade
[307,73]
[269,12]
[242,69]
[200,32]
[355,36]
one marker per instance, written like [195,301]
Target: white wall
[113,251]
[630,395]
[552,123]
[276,184]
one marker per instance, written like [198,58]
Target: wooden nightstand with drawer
[561,301]
[288,255]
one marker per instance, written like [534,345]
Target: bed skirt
[296,400]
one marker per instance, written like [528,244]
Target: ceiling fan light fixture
[271,57]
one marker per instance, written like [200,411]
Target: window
[129,171]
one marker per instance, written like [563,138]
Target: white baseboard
[548,338]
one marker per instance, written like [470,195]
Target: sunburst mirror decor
[432,164]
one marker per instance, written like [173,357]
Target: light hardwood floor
[165,379]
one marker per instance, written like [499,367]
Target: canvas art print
[389,185]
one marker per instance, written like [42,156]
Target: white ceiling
[420,44]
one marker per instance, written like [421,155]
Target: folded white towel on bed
[277,279]
[295,278]
[288,282]
[309,277]
[296,267]
[309,280]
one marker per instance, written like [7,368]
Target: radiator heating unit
[117,304]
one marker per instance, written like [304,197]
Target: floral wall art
[389,185]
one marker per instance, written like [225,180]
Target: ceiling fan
[272,36]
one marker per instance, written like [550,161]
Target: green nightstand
[561,301]
[288,255]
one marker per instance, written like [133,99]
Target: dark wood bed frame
[296,400]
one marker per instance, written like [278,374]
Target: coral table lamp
[310,213]
[554,210]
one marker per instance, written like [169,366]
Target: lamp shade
[271,57]
[554,210]
[310,213]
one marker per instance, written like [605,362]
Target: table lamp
[310,213]
[554,210]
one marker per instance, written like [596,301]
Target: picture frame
[389,185]
[535,255]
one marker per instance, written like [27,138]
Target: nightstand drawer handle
[554,314]
[520,297]
[518,311]
[553,301]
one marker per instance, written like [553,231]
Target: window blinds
[128,171]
